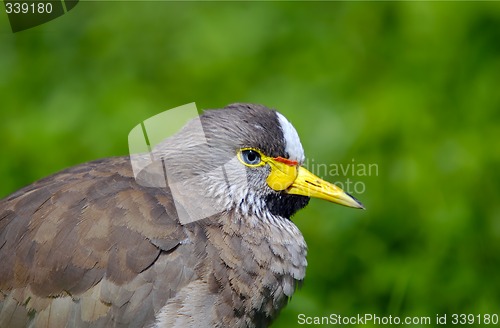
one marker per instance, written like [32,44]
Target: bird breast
[249,272]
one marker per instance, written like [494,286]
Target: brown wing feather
[89,247]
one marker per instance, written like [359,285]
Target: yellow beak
[297,180]
[307,184]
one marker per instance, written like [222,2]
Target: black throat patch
[285,205]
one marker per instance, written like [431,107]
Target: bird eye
[250,157]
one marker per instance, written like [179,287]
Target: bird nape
[94,246]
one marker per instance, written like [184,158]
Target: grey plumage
[90,247]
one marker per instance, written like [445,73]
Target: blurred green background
[412,87]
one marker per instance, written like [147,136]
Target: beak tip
[356,203]
[360,206]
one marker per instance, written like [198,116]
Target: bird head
[245,157]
